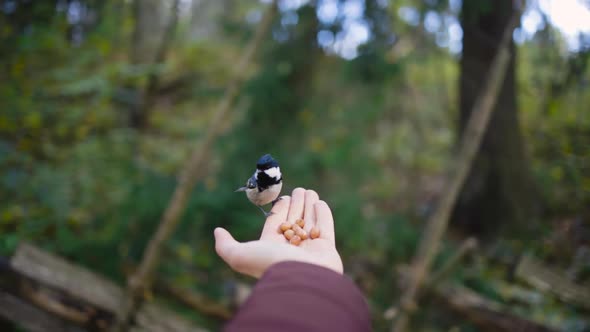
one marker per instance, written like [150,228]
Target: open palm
[255,257]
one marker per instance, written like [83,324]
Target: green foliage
[373,136]
[557,125]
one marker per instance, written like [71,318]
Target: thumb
[225,244]
[247,258]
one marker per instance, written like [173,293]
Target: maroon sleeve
[294,296]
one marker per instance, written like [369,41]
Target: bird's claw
[275,201]
[266,214]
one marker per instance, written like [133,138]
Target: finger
[251,258]
[239,256]
[225,245]
[297,203]
[279,211]
[325,221]
[311,197]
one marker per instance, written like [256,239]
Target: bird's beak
[240,189]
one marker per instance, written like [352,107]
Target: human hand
[255,257]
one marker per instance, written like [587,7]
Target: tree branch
[466,247]
[190,173]
[437,224]
[196,301]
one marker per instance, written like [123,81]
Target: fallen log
[486,314]
[44,290]
[196,301]
[544,278]
[30,317]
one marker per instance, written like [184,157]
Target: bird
[265,185]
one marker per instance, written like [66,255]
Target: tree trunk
[498,191]
[206,16]
[149,36]
[149,26]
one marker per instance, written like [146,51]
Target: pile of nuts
[294,233]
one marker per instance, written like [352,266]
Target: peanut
[300,222]
[296,228]
[314,233]
[289,234]
[295,240]
[302,234]
[285,226]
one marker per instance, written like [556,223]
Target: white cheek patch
[274,172]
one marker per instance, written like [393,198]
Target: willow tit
[264,186]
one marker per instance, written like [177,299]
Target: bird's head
[266,162]
[268,171]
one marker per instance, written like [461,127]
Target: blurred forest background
[102,102]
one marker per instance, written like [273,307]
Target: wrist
[335,267]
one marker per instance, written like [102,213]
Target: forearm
[293,296]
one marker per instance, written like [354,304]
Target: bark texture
[498,191]
[469,146]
